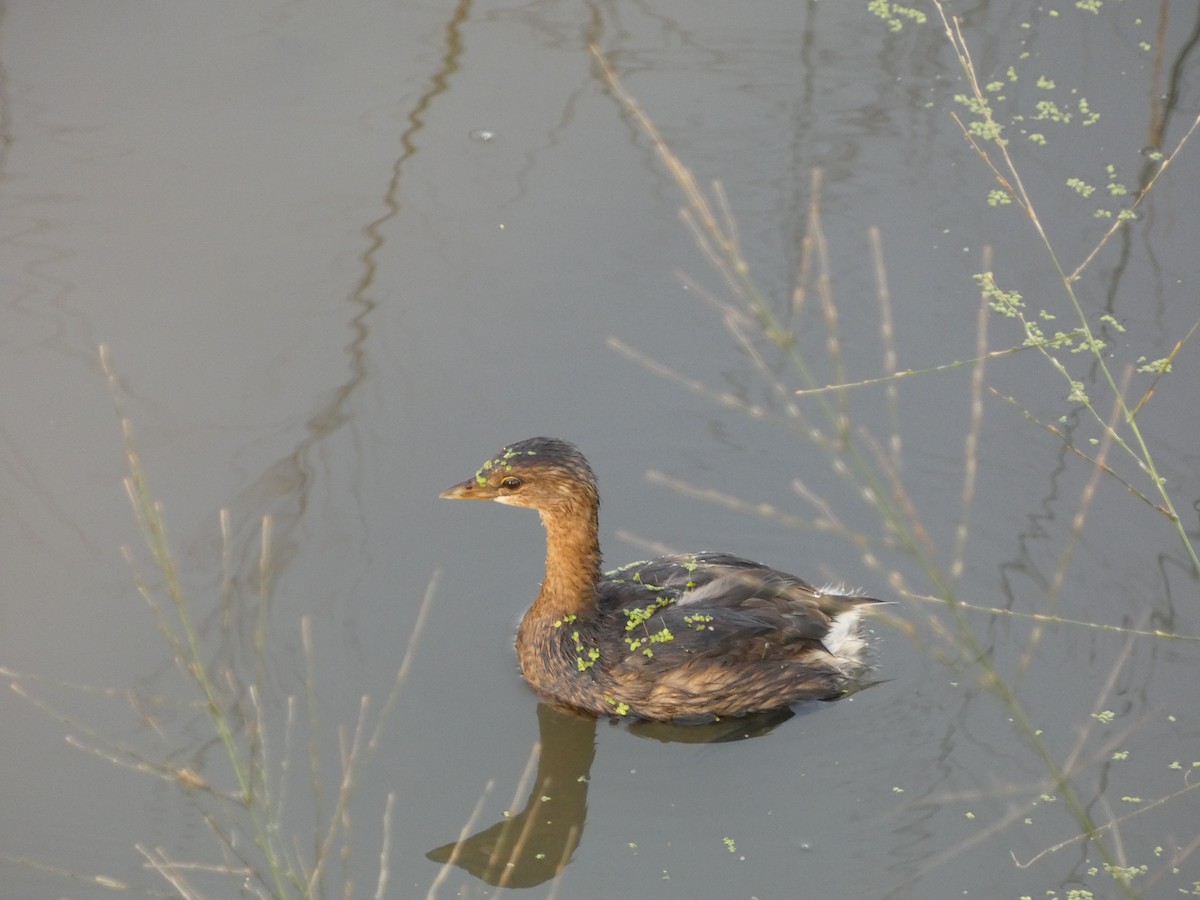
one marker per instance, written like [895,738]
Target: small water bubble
[482,135]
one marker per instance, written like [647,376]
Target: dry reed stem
[1170,359]
[338,819]
[887,340]
[281,789]
[1142,456]
[1100,829]
[1099,704]
[721,398]
[1066,442]
[253,769]
[833,343]
[444,872]
[1089,490]
[889,380]
[571,842]
[406,660]
[385,848]
[1012,815]
[104,881]
[523,783]
[509,869]
[1075,532]
[719,243]
[314,758]
[1048,618]
[225,838]
[1141,195]
[159,862]
[971,441]
[113,752]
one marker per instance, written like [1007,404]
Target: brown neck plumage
[572,563]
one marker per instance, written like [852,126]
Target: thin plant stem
[385,848]
[157,861]
[414,637]
[314,760]
[339,818]
[187,647]
[444,872]
[234,708]
[1010,179]
[887,340]
[971,442]
[717,239]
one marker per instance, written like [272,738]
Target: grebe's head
[541,473]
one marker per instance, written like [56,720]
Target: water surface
[327,297]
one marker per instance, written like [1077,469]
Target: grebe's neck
[572,565]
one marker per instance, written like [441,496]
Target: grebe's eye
[511,483]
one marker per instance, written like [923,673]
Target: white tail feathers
[844,640]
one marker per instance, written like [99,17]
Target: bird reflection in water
[530,847]
[533,846]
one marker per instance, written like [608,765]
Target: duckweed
[620,707]
[638,617]
[592,654]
